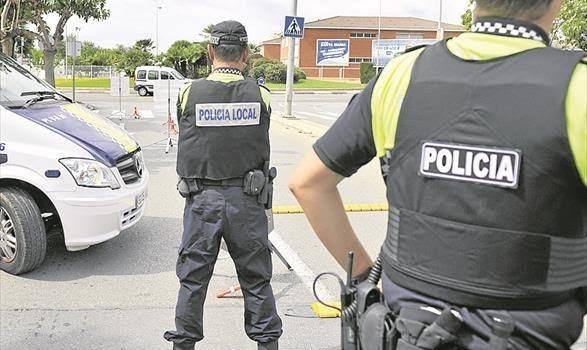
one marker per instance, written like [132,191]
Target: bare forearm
[318,195]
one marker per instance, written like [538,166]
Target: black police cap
[229,33]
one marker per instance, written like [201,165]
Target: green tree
[37,58]
[570,29]
[131,58]
[145,45]
[37,12]
[467,17]
[207,32]
[186,57]
[89,50]
[10,23]
[254,49]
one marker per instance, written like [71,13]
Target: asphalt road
[121,294]
[321,108]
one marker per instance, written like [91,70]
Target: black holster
[188,187]
[265,196]
[420,329]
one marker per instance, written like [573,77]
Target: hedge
[273,71]
[367,72]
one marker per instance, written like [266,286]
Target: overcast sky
[131,20]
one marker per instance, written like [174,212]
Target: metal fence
[83,71]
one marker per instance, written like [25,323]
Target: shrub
[299,75]
[367,72]
[273,71]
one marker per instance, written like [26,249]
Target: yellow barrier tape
[365,207]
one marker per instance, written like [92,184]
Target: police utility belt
[367,323]
[257,183]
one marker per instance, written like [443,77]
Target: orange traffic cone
[135,113]
[228,292]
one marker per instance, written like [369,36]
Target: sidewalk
[303,126]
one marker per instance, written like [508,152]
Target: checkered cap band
[507,29]
[228,71]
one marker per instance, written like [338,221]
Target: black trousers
[224,212]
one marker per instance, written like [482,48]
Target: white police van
[62,169]
[147,76]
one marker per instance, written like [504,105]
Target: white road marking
[146,114]
[315,115]
[300,268]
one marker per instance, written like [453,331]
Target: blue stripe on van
[65,123]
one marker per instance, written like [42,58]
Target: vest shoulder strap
[416,48]
[265,87]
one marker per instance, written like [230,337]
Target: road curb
[301,125]
[317,92]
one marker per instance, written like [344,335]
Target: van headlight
[90,173]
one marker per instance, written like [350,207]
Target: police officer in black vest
[483,144]
[223,155]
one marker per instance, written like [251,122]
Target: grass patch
[307,84]
[92,83]
[311,84]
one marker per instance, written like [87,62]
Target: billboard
[382,51]
[332,52]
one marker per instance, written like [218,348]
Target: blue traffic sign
[261,80]
[294,27]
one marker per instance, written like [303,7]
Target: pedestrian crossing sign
[294,27]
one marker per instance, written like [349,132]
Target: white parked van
[146,76]
[61,168]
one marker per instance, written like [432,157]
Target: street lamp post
[66,41]
[74,54]
[378,40]
[439,30]
[158,7]
[290,66]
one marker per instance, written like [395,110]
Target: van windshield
[15,80]
[177,75]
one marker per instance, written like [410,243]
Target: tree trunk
[8,47]
[50,66]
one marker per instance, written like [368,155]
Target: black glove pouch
[254,182]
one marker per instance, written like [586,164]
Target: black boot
[268,346]
[183,346]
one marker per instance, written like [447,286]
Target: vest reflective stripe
[223,130]
[466,224]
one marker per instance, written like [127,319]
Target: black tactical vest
[487,208]
[223,130]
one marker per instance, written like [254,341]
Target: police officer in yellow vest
[223,155]
[483,144]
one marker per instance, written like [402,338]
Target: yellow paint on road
[365,207]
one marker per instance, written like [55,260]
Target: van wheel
[143,91]
[23,241]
